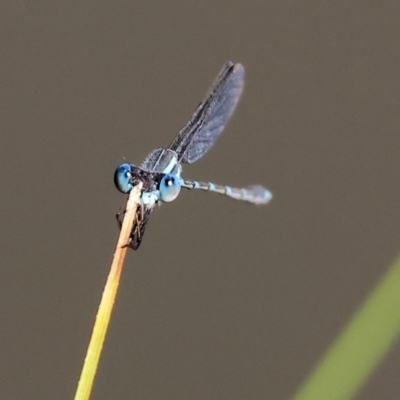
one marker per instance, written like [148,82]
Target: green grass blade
[362,345]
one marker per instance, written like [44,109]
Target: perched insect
[161,170]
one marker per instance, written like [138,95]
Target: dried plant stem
[107,301]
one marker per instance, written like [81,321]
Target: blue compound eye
[170,186]
[122,178]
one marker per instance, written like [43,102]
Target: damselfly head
[122,178]
[170,186]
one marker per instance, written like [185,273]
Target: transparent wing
[211,116]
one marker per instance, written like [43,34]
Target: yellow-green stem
[107,301]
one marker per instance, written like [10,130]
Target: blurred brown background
[223,300]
